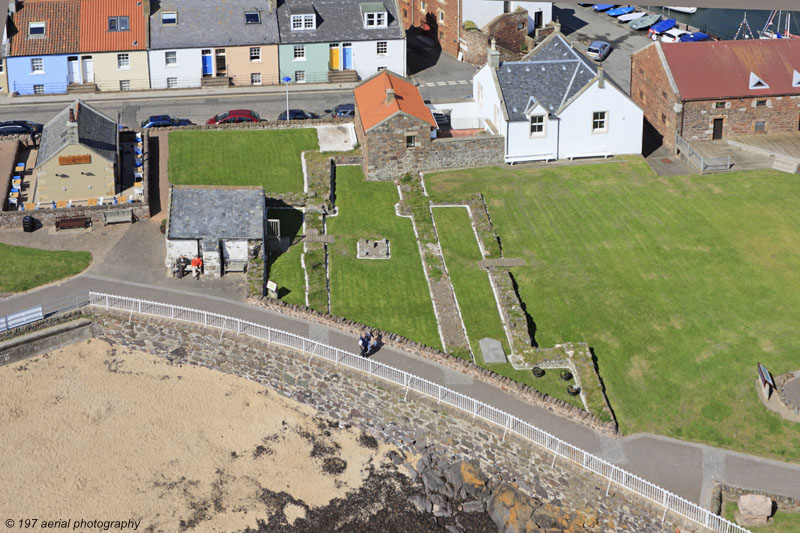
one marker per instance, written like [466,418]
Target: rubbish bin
[28,224]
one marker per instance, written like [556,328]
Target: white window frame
[541,122]
[382,45]
[172,83]
[37,61]
[119,21]
[38,89]
[299,52]
[377,19]
[124,85]
[441,16]
[171,16]
[413,138]
[167,62]
[304,22]
[255,54]
[255,78]
[123,61]
[299,76]
[2,65]
[603,120]
[37,25]
[256,13]
[422,5]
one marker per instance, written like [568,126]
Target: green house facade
[304,62]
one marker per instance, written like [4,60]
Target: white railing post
[408,382]
[205,319]
[172,312]
[106,301]
[238,327]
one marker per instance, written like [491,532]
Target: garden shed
[223,225]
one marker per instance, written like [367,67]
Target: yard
[781,521]
[26,268]
[270,158]
[387,294]
[681,285]
[285,269]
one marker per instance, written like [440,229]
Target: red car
[235,115]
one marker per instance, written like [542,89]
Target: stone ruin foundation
[373,249]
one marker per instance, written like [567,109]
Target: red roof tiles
[62,28]
[371,100]
[721,69]
[95,36]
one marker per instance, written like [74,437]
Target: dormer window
[252,17]
[36,29]
[118,24]
[304,22]
[796,79]
[757,83]
[375,15]
[169,18]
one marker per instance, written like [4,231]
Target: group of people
[368,343]
[182,264]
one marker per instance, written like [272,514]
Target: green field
[681,285]
[285,269]
[387,294]
[270,158]
[26,268]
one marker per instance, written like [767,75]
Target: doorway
[222,66]
[537,21]
[347,53]
[73,70]
[718,124]
[334,56]
[88,69]
[208,63]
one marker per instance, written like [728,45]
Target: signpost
[766,379]
[286,80]
[272,289]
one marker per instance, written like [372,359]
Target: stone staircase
[342,76]
[781,160]
[784,163]
[218,81]
[81,88]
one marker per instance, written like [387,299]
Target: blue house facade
[37,74]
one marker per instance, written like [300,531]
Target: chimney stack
[493,57]
[601,77]
[71,115]
[389,96]
[12,6]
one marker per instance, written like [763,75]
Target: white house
[481,12]
[556,104]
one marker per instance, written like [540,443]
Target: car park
[235,115]
[598,50]
[673,36]
[20,127]
[159,121]
[344,110]
[297,114]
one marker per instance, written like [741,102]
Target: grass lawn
[387,294]
[253,157]
[681,285]
[26,268]
[285,269]
[781,521]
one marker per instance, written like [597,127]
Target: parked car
[157,121]
[442,120]
[598,50]
[298,114]
[235,115]
[673,36]
[20,126]
[344,110]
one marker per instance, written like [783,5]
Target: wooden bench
[117,215]
[235,266]
[72,222]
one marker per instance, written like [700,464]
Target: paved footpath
[684,468]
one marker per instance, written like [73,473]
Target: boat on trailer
[631,16]
[617,11]
[644,22]
[663,26]
[604,7]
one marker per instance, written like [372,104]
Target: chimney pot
[71,115]
[601,77]
[390,96]
[493,55]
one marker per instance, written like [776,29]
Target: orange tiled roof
[62,28]
[371,100]
[95,36]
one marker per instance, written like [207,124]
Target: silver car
[598,50]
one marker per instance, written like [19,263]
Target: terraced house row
[58,46]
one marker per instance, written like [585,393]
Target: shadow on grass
[291,223]
[602,383]
[528,317]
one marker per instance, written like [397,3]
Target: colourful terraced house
[339,40]
[196,44]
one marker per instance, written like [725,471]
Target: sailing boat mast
[744,25]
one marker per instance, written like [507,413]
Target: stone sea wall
[572,498]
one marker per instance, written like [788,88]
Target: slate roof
[62,28]
[203,24]
[337,21]
[551,75]
[94,34]
[91,128]
[721,69]
[216,213]
[370,98]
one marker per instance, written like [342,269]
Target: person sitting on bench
[197,266]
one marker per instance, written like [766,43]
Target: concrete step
[785,164]
[342,76]
[79,88]
[219,81]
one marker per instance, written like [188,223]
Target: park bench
[117,215]
[72,222]
[235,266]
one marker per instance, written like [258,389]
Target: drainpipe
[458,35]
[558,139]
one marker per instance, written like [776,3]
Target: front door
[208,63]
[73,70]
[537,21]
[347,49]
[334,59]
[222,65]
[718,123]
[88,69]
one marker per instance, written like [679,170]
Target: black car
[157,121]
[344,110]
[297,114]
[20,126]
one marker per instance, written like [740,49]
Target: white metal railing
[410,382]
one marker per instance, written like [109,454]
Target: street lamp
[286,80]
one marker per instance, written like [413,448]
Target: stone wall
[780,114]
[506,30]
[262,125]
[651,90]
[417,426]
[474,45]
[386,156]
[721,494]
[43,340]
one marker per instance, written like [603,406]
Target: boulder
[511,510]
[471,479]
[754,510]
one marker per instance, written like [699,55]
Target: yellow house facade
[253,65]
[121,71]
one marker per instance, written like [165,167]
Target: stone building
[715,89]
[223,225]
[398,133]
